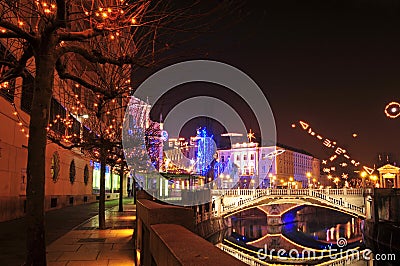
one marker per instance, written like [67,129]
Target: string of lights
[339,152]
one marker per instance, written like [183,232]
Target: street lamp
[374,178]
[309,178]
[363,176]
[270,179]
[336,181]
[273,181]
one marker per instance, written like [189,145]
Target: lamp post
[308,174]
[363,176]
[374,178]
[270,180]
[222,181]
[336,181]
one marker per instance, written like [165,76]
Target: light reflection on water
[305,228]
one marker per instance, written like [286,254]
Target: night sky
[334,64]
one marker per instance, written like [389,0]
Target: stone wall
[210,227]
[165,235]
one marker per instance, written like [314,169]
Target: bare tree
[79,41]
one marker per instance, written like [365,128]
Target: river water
[307,235]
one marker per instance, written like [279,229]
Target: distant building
[275,166]
[389,176]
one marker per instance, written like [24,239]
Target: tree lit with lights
[205,151]
[62,44]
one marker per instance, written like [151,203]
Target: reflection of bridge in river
[281,208]
[275,202]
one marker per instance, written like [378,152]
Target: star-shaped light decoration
[324,161]
[345,176]
[250,136]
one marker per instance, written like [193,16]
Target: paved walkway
[86,245]
[65,222]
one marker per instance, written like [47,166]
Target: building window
[263,156]
[77,92]
[72,172]
[252,156]
[7,89]
[27,93]
[86,174]
[57,115]
[74,129]
[89,100]
[245,157]
[222,159]
[55,166]
[237,158]
[87,135]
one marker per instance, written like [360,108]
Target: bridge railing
[252,260]
[321,194]
[338,202]
[249,260]
[275,191]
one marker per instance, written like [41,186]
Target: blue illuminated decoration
[97,166]
[205,151]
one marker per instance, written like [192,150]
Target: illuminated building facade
[277,166]
[389,176]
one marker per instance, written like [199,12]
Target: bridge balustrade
[250,195]
[275,191]
[252,260]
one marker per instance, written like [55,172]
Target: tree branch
[61,16]
[79,35]
[96,57]
[93,56]
[18,68]
[64,75]
[17,30]
[9,35]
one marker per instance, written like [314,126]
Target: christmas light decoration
[338,151]
[205,151]
[392,110]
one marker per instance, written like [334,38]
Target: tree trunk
[35,190]
[102,198]
[121,188]
[134,187]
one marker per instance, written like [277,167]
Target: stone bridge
[275,202]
